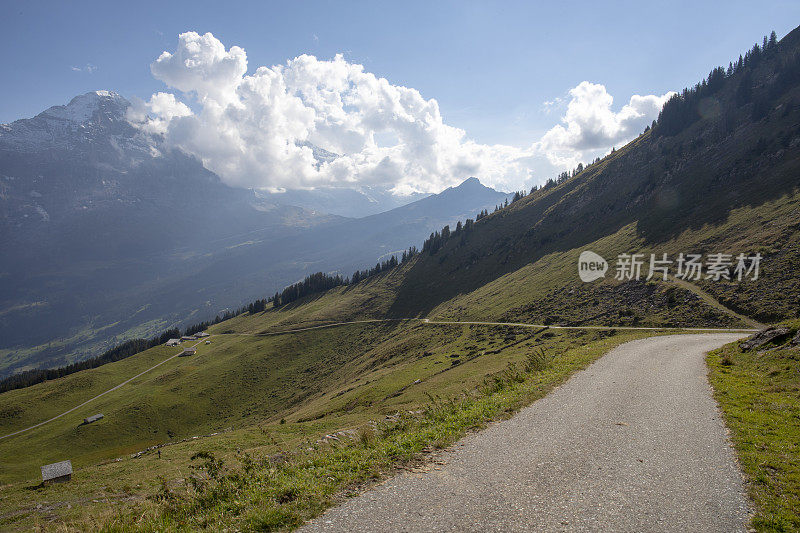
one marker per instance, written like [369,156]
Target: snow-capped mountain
[86,157]
[94,106]
[97,219]
[89,118]
[107,233]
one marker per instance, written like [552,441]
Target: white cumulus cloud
[156,115]
[260,129]
[590,124]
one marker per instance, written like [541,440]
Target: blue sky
[491,66]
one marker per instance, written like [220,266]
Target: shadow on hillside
[683,189]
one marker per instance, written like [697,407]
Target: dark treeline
[564,176]
[117,353]
[380,266]
[682,110]
[321,282]
[437,239]
[202,326]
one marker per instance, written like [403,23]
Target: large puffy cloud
[263,129]
[201,64]
[156,115]
[590,125]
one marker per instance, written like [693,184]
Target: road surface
[632,443]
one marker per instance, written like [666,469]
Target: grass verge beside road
[759,393]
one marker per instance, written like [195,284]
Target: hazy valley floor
[633,443]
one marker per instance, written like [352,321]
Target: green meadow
[258,391]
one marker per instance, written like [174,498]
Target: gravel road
[633,443]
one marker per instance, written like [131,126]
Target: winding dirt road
[632,443]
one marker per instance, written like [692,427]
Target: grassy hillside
[549,290]
[727,182]
[250,378]
[263,393]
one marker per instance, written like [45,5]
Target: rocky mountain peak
[83,108]
[471,182]
[95,118]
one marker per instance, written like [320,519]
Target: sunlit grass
[759,394]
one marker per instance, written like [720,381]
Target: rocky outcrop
[796,339]
[766,336]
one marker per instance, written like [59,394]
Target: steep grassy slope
[239,380]
[549,290]
[727,182]
[236,378]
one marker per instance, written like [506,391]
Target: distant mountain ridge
[112,234]
[391,232]
[349,202]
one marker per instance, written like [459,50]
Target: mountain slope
[104,227]
[726,182]
[357,203]
[348,245]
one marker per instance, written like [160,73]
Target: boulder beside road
[765,336]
